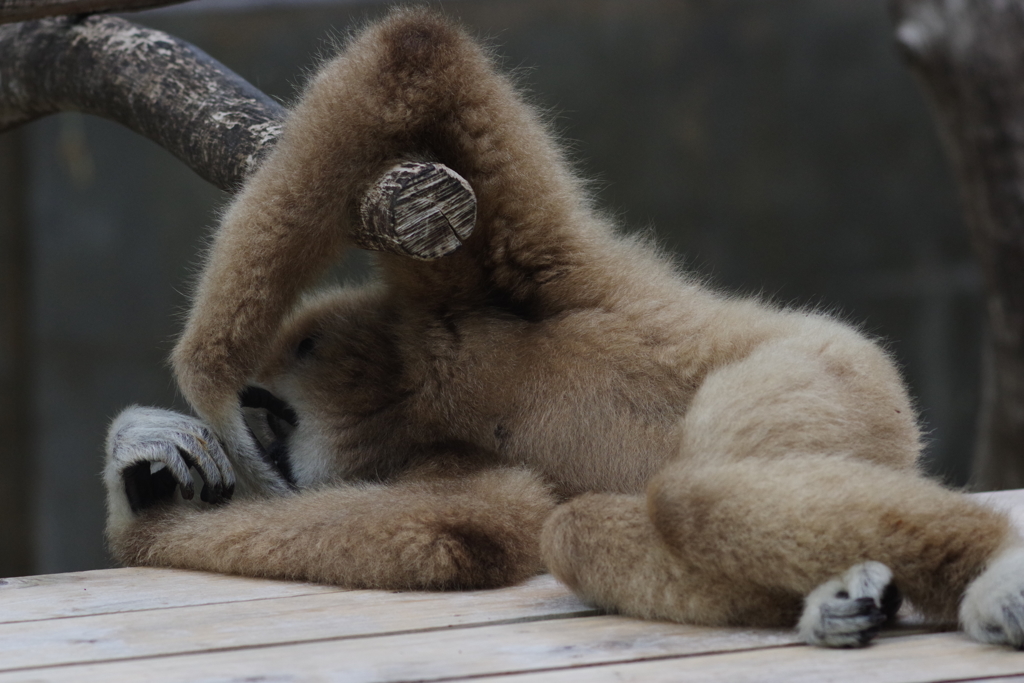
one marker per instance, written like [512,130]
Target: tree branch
[157,85]
[969,56]
[23,10]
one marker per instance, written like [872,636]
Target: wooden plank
[274,621]
[1011,498]
[915,659]
[103,591]
[1010,501]
[172,611]
[430,655]
[113,591]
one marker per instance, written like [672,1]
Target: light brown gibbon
[552,395]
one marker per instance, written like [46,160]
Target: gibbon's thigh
[824,391]
[606,549]
[793,522]
[475,531]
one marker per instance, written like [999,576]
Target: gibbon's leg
[475,531]
[813,441]
[413,86]
[797,522]
[744,542]
[774,490]
[606,549]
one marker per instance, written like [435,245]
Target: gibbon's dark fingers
[143,437]
[418,209]
[849,610]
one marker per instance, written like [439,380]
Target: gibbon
[551,396]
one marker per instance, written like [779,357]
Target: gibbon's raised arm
[412,87]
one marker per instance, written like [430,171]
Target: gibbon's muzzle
[271,422]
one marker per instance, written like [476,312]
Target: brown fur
[733,455]
[477,531]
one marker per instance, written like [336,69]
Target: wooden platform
[166,625]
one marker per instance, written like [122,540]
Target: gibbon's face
[333,374]
[271,422]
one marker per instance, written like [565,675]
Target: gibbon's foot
[848,611]
[152,450]
[993,607]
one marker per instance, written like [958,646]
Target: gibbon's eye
[305,347]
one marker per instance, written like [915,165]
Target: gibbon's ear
[371,106]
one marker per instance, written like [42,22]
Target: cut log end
[417,209]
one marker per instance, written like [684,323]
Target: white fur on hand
[992,610]
[164,438]
[847,611]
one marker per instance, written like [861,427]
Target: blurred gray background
[776,146]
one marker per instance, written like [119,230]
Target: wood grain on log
[969,56]
[422,210]
[157,85]
[23,10]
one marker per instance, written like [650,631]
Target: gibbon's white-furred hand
[552,394]
[151,451]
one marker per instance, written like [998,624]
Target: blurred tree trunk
[15,396]
[969,56]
